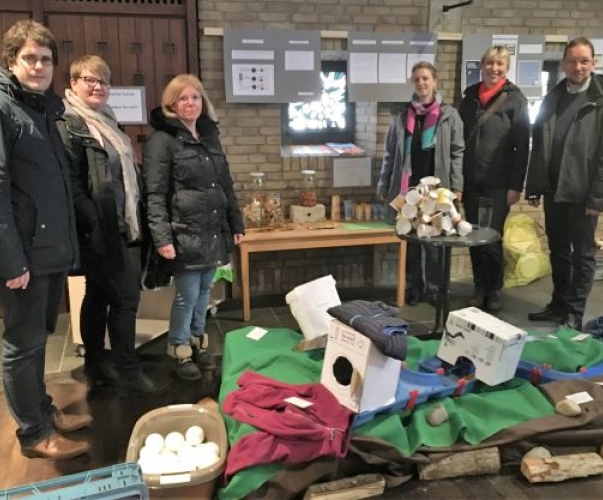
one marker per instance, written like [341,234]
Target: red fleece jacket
[286,432]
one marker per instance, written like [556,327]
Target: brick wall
[251,132]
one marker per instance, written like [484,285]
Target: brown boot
[55,447]
[69,423]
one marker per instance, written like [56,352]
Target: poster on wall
[129,105]
[278,66]
[380,64]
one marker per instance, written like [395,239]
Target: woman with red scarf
[424,138]
[497,136]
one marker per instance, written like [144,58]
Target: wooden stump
[349,488]
[466,463]
[562,467]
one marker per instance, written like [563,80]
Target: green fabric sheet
[360,226]
[473,417]
[561,352]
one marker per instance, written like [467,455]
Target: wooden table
[300,238]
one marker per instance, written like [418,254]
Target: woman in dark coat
[497,137]
[106,199]
[193,213]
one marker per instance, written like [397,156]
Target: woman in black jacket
[497,136]
[194,216]
[106,199]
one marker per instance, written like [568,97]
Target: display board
[526,52]
[271,66]
[380,64]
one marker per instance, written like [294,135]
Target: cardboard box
[360,376]
[307,215]
[309,303]
[493,346]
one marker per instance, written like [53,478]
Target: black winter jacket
[190,198]
[37,223]
[497,154]
[93,193]
[581,173]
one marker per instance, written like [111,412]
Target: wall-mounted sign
[129,105]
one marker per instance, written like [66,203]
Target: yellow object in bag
[524,259]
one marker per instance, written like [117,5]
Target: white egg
[187,455]
[154,441]
[187,458]
[168,461]
[174,441]
[150,464]
[205,456]
[213,446]
[194,435]
[145,451]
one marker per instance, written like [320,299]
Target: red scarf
[485,93]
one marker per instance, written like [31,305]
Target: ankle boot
[55,447]
[183,362]
[136,383]
[201,354]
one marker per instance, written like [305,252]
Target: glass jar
[254,210]
[307,194]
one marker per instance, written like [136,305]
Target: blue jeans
[190,304]
[27,314]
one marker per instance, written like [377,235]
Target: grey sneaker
[182,356]
[200,347]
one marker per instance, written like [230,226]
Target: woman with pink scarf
[425,138]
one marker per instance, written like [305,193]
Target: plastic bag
[523,256]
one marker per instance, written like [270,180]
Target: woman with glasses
[497,137]
[106,198]
[194,216]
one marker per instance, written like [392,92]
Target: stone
[568,408]
[538,452]
[437,415]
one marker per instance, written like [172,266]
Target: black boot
[100,373]
[136,383]
[201,354]
[182,359]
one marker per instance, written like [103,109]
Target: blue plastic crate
[117,482]
[543,374]
[415,387]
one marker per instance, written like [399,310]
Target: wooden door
[141,51]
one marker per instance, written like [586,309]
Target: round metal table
[444,245]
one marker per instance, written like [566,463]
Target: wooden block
[349,488]
[562,467]
[466,463]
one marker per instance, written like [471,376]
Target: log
[349,488]
[466,463]
[562,467]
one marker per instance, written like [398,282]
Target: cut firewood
[349,488]
[562,467]
[466,463]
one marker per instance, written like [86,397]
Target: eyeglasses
[31,60]
[92,82]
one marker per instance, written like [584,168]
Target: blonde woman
[497,137]
[106,199]
[194,216]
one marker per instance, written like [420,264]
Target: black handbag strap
[496,105]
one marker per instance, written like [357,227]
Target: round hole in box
[342,370]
